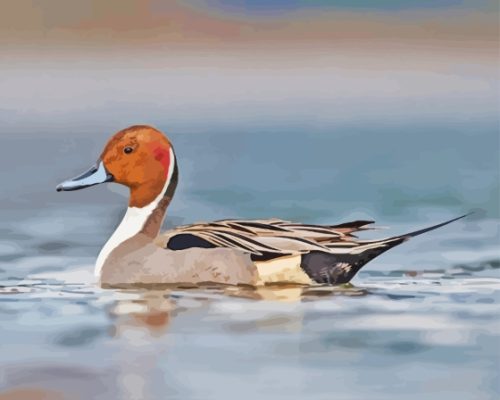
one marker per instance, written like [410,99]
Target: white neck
[133,221]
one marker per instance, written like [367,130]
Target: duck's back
[279,249]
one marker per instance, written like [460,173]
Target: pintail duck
[231,251]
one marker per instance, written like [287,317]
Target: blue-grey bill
[93,176]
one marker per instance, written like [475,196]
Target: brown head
[139,157]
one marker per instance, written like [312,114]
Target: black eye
[128,150]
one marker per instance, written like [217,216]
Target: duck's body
[227,251]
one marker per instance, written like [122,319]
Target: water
[421,321]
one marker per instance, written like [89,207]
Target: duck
[229,251]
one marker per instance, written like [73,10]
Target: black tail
[341,264]
[431,228]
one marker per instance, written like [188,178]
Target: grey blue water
[421,321]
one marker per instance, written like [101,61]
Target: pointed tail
[341,264]
[431,228]
[381,245]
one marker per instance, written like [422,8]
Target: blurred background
[316,111]
[313,109]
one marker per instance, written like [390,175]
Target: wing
[329,253]
[263,239]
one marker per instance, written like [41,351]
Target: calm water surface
[422,321]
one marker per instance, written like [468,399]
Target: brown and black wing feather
[329,253]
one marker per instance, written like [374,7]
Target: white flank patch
[283,269]
[133,221]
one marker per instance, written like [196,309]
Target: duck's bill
[95,175]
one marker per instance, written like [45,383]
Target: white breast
[132,222]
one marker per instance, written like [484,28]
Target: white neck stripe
[133,220]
